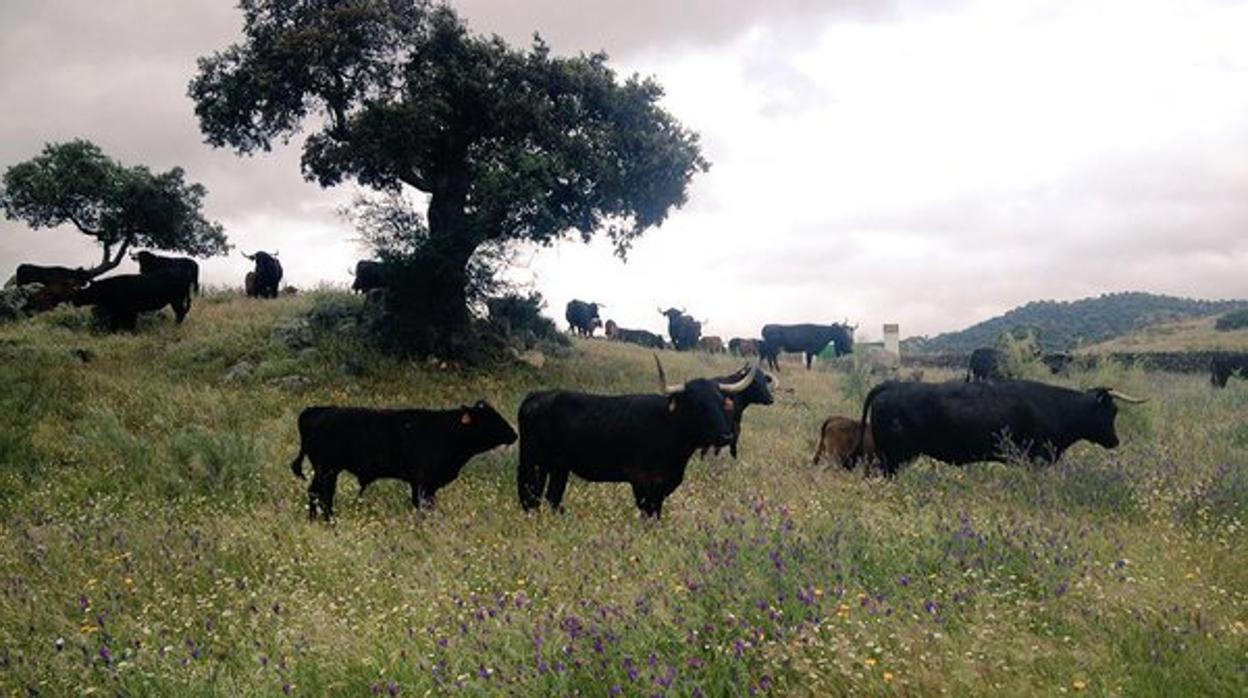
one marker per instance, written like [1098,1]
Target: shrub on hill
[1234,320]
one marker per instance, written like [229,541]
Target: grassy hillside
[155,542]
[1065,325]
[1189,335]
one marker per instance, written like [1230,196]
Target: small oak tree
[508,144]
[119,206]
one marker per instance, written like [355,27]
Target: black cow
[424,448]
[966,422]
[807,339]
[120,299]
[34,274]
[758,392]
[683,329]
[268,275]
[150,264]
[1223,366]
[369,274]
[984,365]
[644,440]
[583,317]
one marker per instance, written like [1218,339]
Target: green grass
[153,532]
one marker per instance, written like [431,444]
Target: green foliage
[1234,320]
[154,541]
[1020,356]
[1066,325]
[521,316]
[119,206]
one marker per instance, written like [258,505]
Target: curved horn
[667,389]
[734,388]
[1117,395]
[275,253]
[248,256]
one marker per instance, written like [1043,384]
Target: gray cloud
[626,28]
[830,224]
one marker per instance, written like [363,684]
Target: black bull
[1223,366]
[152,263]
[369,274]
[644,440]
[583,317]
[683,329]
[757,392]
[120,299]
[425,448]
[806,339]
[267,275]
[967,422]
[35,274]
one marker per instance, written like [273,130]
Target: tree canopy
[508,144]
[119,206]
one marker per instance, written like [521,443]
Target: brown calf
[837,438]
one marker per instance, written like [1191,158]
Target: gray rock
[293,383]
[333,312]
[309,354]
[534,358]
[239,372]
[292,333]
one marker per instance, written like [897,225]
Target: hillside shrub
[1020,357]
[519,318]
[1235,320]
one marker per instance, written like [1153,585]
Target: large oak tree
[121,207]
[508,144]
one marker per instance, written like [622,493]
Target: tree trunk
[428,299]
[109,263]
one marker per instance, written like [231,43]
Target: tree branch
[78,224]
[109,263]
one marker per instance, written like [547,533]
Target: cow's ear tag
[671,405]
[465,418]
[728,404]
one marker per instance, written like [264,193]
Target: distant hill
[1066,325]
[1198,334]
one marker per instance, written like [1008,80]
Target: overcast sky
[927,163]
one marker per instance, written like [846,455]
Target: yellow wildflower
[869,661]
[888,677]
[1079,684]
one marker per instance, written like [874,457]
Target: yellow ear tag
[466,419]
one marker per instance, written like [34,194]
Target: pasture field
[155,541]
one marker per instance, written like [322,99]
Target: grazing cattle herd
[645,440]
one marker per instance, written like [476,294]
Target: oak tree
[121,207]
[507,144]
